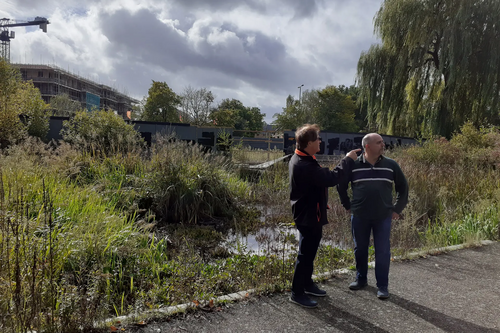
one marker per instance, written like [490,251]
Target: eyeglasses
[319,138]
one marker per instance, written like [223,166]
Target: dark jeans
[308,246]
[361,229]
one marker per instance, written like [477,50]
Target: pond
[270,239]
[272,233]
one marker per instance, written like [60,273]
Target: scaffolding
[52,80]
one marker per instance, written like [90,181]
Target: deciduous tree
[18,100]
[360,117]
[330,108]
[297,113]
[161,103]
[336,111]
[232,112]
[223,117]
[197,104]
[63,106]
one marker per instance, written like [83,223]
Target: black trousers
[308,247]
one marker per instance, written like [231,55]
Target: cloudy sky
[257,51]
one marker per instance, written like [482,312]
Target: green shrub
[471,228]
[101,132]
[188,185]
[471,138]
[20,99]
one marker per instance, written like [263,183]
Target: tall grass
[452,184]
[29,263]
[76,246]
[248,155]
[188,185]
[85,236]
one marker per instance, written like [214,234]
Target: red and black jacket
[309,184]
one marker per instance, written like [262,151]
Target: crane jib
[5,37]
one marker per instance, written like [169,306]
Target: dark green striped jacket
[372,189]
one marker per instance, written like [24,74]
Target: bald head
[373,144]
[369,138]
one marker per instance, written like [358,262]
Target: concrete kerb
[171,310]
[175,309]
[440,250]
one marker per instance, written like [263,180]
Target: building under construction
[52,81]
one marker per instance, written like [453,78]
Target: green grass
[471,229]
[87,236]
[90,216]
[254,156]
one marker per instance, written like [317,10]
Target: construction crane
[5,36]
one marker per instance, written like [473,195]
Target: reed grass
[86,236]
[247,155]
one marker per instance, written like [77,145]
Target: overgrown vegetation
[91,236]
[22,109]
[85,236]
[101,131]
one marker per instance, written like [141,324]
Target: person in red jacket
[309,184]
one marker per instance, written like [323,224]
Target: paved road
[454,292]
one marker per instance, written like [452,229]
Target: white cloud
[257,51]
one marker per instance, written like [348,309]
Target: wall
[332,143]
[260,143]
[341,143]
[205,136]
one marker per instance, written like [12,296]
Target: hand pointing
[353,153]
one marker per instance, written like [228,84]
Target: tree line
[197,107]
[332,108]
[436,68]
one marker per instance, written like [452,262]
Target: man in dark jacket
[372,179]
[309,198]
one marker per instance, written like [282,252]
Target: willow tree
[437,66]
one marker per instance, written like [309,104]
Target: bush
[35,109]
[101,131]
[470,138]
[18,98]
[189,185]
[479,146]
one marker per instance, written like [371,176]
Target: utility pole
[300,93]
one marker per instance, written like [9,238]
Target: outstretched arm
[324,177]
[343,184]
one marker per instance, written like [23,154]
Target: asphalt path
[458,291]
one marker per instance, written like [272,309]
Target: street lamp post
[300,93]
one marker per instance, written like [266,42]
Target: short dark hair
[305,134]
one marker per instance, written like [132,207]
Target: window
[40,74]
